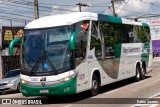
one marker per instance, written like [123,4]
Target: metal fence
[9,63]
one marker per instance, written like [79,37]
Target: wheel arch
[97,73]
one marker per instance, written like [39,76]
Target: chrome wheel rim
[95,85]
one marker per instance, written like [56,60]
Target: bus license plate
[44,91]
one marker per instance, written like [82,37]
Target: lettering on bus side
[130,50]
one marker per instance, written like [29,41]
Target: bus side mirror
[73,39]
[12,43]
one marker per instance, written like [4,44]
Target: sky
[22,11]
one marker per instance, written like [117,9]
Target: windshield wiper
[41,60]
[45,57]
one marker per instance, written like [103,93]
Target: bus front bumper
[64,88]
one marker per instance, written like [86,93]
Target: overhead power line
[10,13]
[80,6]
[13,18]
[113,8]
[150,3]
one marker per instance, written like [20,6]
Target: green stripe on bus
[72,39]
[63,88]
[12,43]
[145,24]
[110,19]
[145,54]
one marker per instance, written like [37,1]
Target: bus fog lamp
[67,88]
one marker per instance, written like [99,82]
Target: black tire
[138,73]
[95,86]
[143,72]
[50,97]
[18,87]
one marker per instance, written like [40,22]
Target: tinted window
[96,40]
[12,73]
[135,34]
[81,43]
[112,34]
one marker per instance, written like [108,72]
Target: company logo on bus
[43,79]
[43,84]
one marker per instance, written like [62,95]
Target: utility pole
[36,10]
[80,6]
[113,9]
[10,22]
[25,22]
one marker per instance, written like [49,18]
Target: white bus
[70,53]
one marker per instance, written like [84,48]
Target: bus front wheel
[18,87]
[95,85]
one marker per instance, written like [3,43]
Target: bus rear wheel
[138,75]
[95,86]
[143,72]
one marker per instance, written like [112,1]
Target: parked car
[10,82]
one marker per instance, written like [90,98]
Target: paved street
[147,88]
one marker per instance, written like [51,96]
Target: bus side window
[96,40]
[80,50]
[81,43]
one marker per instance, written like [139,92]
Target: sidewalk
[156,59]
[156,62]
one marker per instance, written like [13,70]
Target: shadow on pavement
[81,97]
[119,84]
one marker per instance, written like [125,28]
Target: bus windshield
[47,50]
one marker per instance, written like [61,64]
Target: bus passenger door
[80,62]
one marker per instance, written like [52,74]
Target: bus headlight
[67,78]
[24,81]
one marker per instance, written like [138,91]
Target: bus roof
[71,18]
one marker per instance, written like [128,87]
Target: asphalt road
[118,92]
